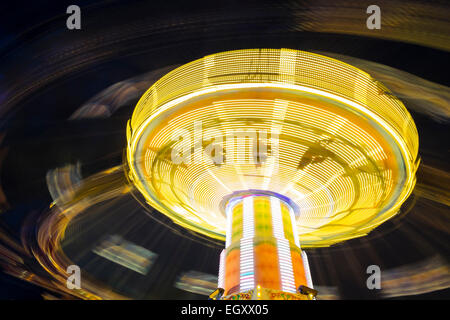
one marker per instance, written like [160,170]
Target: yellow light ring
[284,66]
[270,70]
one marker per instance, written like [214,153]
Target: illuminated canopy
[330,138]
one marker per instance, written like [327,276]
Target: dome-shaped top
[318,131]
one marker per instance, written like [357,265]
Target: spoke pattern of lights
[341,146]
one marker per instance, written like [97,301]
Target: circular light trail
[320,132]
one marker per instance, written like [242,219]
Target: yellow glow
[347,148]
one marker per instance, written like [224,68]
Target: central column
[262,258]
